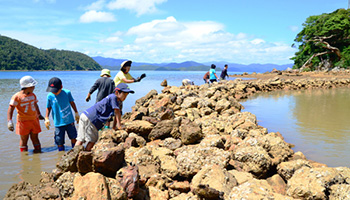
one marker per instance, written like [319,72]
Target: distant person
[60,101]
[123,75]
[105,86]
[93,118]
[212,74]
[187,82]
[206,77]
[28,114]
[224,74]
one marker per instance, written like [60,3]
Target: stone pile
[193,142]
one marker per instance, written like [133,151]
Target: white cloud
[97,16]
[294,28]
[141,7]
[98,5]
[113,39]
[169,40]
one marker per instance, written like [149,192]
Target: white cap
[27,81]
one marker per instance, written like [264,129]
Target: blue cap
[123,87]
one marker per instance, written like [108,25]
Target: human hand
[77,117]
[10,125]
[138,79]
[47,123]
[88,98]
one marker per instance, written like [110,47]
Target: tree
[324,41]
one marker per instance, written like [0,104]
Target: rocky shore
[193,142]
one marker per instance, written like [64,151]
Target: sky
[162,31]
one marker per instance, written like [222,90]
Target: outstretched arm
[9,118]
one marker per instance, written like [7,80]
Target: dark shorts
[60,133]
[213,80]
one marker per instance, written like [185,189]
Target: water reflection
[31,167]
[315,121]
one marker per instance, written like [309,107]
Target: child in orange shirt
[28,114]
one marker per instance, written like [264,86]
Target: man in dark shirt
[105,86]
[224,73]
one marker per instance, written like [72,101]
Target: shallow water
[315,121]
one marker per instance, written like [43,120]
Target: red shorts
[26,127]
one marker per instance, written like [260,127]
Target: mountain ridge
[114,64]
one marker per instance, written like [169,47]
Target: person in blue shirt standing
[93,118]
[212,74]
[60,101]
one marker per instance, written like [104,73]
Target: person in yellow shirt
[123,75]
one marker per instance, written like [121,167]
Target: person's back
[105,86]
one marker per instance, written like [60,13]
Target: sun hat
[27,81]
[126,63]
[106,72]
[55,84]
[124,88]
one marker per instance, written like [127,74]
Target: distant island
[16,55]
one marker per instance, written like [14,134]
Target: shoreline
[194,142]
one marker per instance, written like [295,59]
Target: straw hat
[126,63]
[105,72]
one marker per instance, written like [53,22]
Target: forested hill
[16,55]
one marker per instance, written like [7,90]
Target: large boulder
[167,160]
[68,161]
[215,177]
[91,186]
[65,184]
[140,127]
[253,159]
[314,183]
[287,169]
[107,158]
[256,189]
[164,129]
[190,132]
[142,157]
[191,159]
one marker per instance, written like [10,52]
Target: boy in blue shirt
[93,119]
[60,101]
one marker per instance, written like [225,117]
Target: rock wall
[193,142]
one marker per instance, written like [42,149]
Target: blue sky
[236,31]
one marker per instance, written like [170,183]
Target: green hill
[16,55]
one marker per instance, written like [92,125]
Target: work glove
[47,123]
[77,117]
[10,125]
[142,76]
[138,79]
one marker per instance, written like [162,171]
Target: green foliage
[335,24]
[16,55]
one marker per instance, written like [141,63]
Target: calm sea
[316,122]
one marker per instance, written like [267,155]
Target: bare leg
[89,146]
[23,142]
[73,141]
[36,142]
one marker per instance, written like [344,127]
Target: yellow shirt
[120,76]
